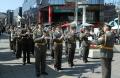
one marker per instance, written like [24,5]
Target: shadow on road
[17,71]
[80,69]
[13,69]
[7,56]
[4,36]
[28,71]
[77,70]
[4,48]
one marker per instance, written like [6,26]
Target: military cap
[108,25]
[73,27]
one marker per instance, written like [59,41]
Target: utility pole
[118,21]
[76,12]
[118,12]
[77,6]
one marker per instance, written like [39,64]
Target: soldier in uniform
[58,46]
[51,42]
[18,43]
[25,34]
[107,42]
[72,36]
[85,44]
[13,39]
[40,50]
[48,40]
[31,41]
[12,32]
[66,41]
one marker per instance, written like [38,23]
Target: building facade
[48,11]
[17,13]
[29,11]
[65,9]
[9,20]
[110,10]
[95,1]
[2,19]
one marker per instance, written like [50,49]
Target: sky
[10,4]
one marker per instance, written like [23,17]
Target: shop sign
[66,6]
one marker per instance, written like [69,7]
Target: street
[10,67]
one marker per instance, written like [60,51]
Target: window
[26,0]
[96,1]
[41,1]
[56,1]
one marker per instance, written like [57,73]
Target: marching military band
[38,40]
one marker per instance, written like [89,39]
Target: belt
[105,47]
[41,43]
[24,37]
[58,43]
[73,42]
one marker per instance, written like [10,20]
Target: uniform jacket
[84,40]
[109,42]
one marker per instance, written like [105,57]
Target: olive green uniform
[18,43]
[71,47]
[58,46]
[106,53]
[40,51]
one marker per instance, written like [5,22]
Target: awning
[86,25]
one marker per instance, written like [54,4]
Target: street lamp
[118,12]
[79,4]
[82,4]
[76,12]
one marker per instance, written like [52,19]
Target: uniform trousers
[18,48]
[40,58]
[26,54]
[58,55]
[52,49]
[106,67]
[71,53]
[85,51]
[66,47]
[26,49]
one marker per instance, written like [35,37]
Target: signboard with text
[68,7]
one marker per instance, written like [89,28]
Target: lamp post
[76,12]
[82,4]
[84,14]
[118,20]
[79,2]
[37,5]
[118,12]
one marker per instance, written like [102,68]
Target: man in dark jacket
[25,34]
[18,43]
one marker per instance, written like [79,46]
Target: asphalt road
[10,67]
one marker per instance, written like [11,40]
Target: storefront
[57,13]
[49,11]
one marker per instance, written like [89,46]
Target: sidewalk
[10,67]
